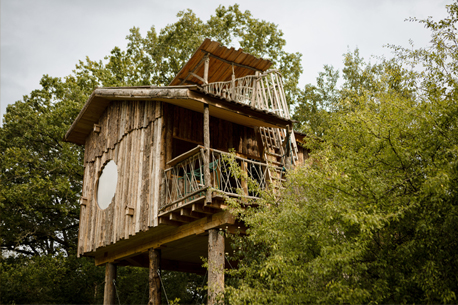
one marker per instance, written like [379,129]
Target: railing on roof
[263,91]
[184,181]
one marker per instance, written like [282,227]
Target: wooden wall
[130,135]
[224,135]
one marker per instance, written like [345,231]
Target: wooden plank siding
[224,135]
[127,136]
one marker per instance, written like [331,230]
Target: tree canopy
[372,216]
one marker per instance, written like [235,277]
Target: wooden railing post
[254,94]
[215,266]
[109,296]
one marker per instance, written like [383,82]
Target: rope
[116,290]
[228,261]
[163,287]
[205,276]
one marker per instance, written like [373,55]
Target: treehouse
[156,169]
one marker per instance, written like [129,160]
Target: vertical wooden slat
[118,196]
[145,178]
[156,179]
[90,207]
[138,200]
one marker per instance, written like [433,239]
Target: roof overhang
[189,97]
[223,61]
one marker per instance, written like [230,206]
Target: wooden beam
[164,220]
[202,209]
[242,110]
[233,63]
[133,262]
[184,156]
[215,266]
[179,218]
[172,265]
[109,296]
[193,70]
[154,279]
[198,77]
[190,213]
[142,242]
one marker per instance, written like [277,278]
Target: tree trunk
[154,280]
[215,267]
[109,296]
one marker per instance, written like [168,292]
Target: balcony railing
[229,175]
[263,91]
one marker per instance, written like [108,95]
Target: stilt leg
[215,266]
[154,280]
[109,296]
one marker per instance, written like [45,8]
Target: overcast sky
[50,36]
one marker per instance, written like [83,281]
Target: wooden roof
[222,60]
[189,97]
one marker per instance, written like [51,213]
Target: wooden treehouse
[155,163]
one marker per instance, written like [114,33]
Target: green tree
[372,216]
[41,176]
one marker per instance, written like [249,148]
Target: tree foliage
[372,216]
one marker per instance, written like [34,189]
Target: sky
[50,36]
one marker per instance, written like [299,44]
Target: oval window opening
[107,185]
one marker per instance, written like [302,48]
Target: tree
[41,176]
[372,216]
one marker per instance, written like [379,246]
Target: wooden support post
[215,266]
[207,176]
[233,85]
[254,95]
[109,296]
[207,62]
[288,160]
[154,280]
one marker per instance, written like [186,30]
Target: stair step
[275,162]
[273,154]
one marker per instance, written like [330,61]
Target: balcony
[262,91]
[186,190]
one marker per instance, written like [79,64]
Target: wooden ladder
[273,140]
[273,154]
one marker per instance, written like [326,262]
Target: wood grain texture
[126,134]
[109,296]
[215,266]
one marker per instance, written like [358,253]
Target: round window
[107,184]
